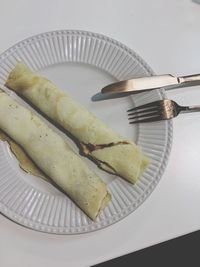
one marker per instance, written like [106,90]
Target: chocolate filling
[100,164]
[88,148]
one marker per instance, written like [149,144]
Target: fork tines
[146,113]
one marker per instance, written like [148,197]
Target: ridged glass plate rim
[169,129]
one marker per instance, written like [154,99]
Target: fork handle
[190,109]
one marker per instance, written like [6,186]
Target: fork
[159,110]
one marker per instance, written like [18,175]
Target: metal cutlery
[159,110]
[167,81]
[137,85]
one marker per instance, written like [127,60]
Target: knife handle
[189,78]
[184,81]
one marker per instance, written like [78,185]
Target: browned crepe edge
[25,162]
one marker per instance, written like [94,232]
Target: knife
[127,87]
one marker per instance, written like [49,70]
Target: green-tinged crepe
[53,156]
[25,161]
[109,150]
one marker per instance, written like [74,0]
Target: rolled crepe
[106,148]
[53,156]
[25,161]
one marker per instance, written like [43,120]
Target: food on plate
[53,156]
[25,161]
[107,149]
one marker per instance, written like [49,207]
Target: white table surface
[166,35]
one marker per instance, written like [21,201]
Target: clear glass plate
[82,63]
